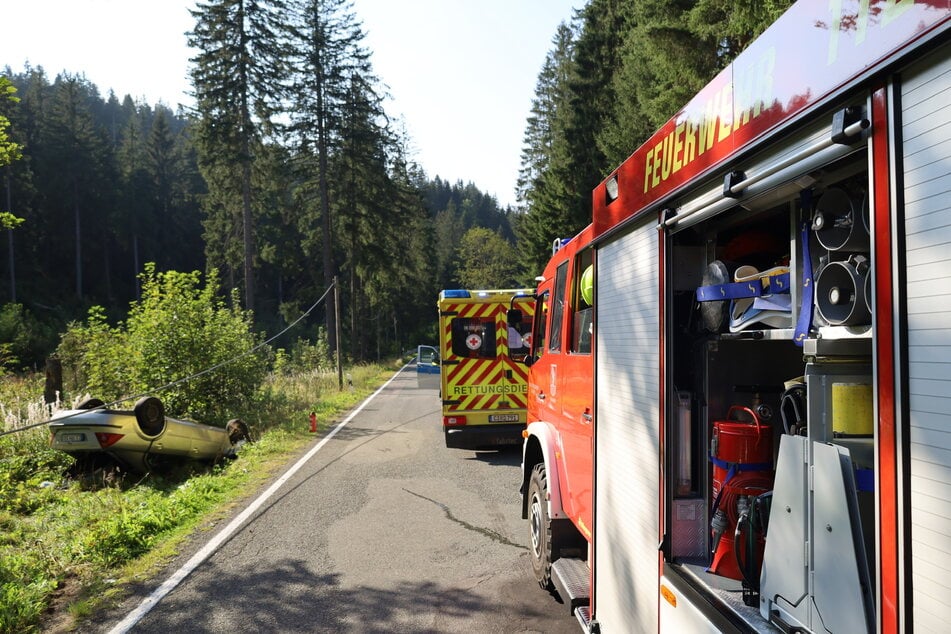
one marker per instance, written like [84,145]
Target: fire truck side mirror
[514,317]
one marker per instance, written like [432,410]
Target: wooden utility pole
[337,330]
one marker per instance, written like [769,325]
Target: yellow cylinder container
[852,409]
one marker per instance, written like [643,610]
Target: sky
[461,73]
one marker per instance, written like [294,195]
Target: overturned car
[143,439]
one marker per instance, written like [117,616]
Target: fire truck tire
[540,527]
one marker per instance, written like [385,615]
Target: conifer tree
[238,77]
[550,97]
[362,198]
[137,194]
[162,166]
[404,293]
[329,54]
[447,232]
[66,129]
[542,134]
[161,161]
[80,156]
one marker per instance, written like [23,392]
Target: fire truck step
[572,578]
[583,614]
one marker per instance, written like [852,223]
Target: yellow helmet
[587,285]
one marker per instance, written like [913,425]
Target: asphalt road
[381,529]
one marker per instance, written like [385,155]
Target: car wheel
[150,414]
[237,431]
[540,527]
[90,403]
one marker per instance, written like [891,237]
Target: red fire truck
[740,377]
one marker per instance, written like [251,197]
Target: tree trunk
[54,380]
[248,236]
[79,244]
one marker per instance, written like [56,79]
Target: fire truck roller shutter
[926,134]
[628,414]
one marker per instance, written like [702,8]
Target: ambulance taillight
[453,421]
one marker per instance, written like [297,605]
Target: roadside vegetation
[69,541]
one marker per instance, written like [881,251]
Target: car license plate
[71,438]
[503,418]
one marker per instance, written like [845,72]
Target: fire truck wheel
[540,526]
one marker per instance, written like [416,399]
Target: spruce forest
[287,173]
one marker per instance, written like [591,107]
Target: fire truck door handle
[541,396]
[586,416]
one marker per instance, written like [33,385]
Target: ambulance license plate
[503,418]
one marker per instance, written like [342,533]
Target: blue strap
[805,307]
[729,476]
[739,290]
[779,283]
[735,467]
[732,469]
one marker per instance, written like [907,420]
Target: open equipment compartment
[765,397]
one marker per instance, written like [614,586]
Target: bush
[177,330]
[304,356]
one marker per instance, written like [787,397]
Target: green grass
[68,547]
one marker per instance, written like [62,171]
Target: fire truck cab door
[427,367]
[543,391]
[545,395]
